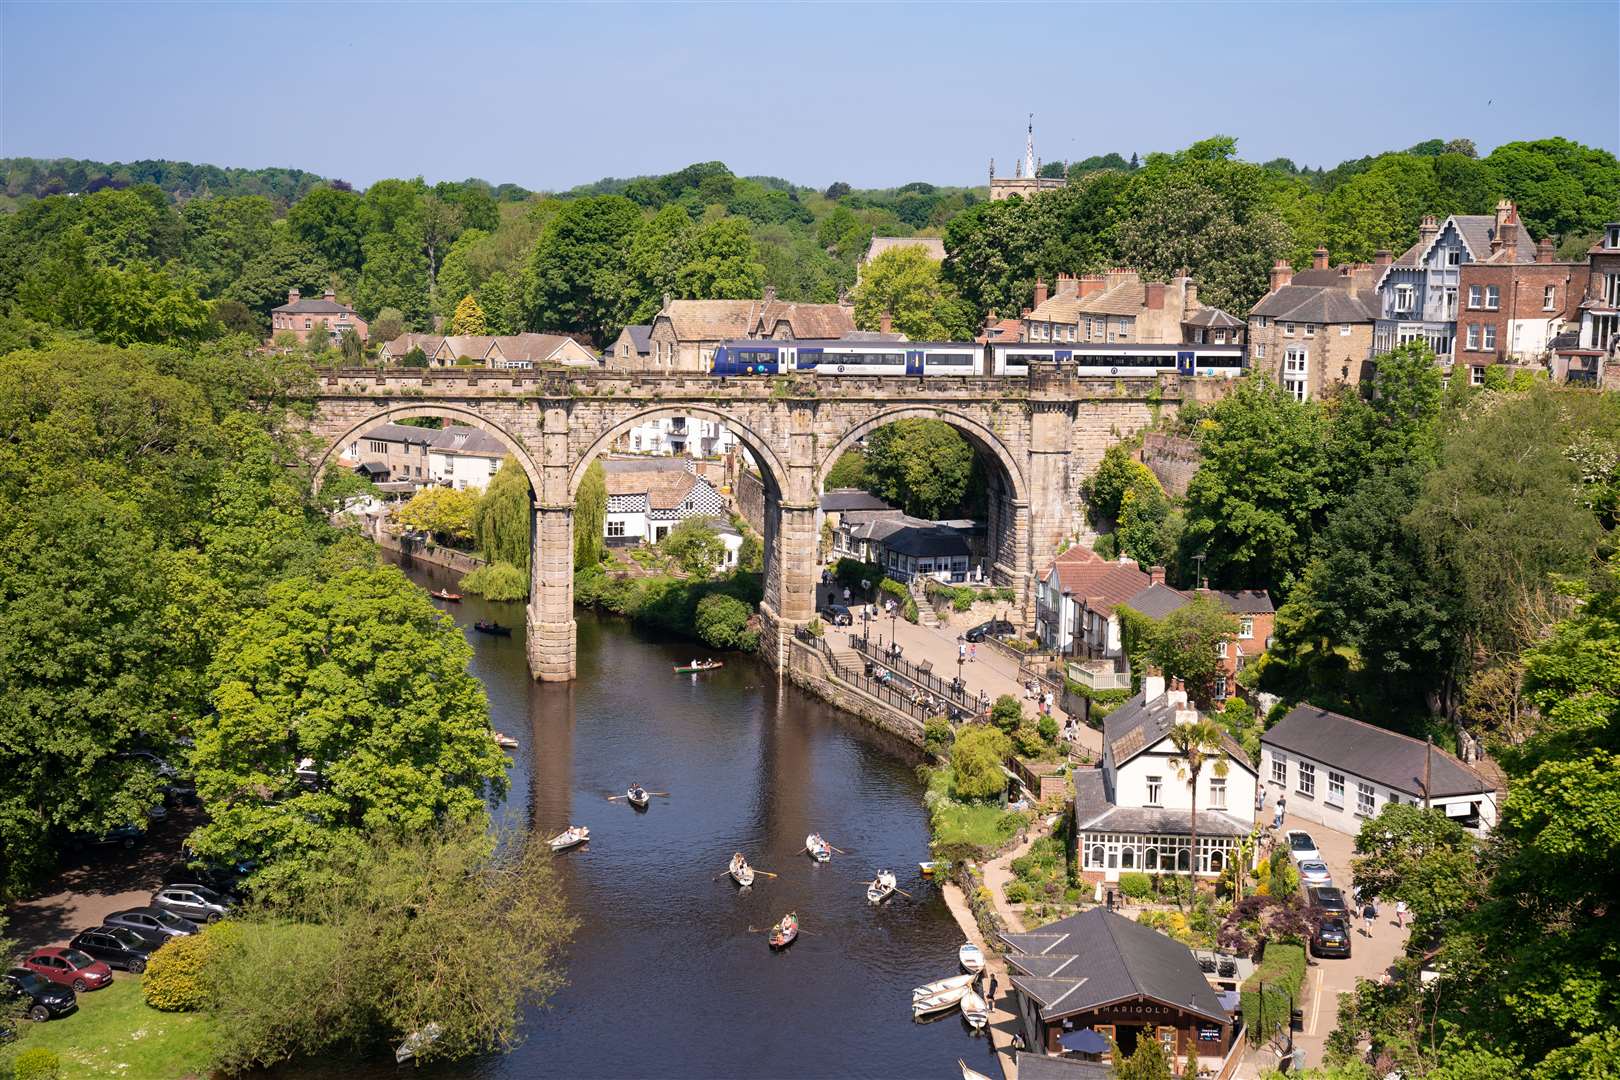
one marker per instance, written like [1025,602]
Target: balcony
[1103,674]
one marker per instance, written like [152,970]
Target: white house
[464,457]
[455,455]
[679,435]
[1133,813]
[648,497]
[1075,601]
[1339,772]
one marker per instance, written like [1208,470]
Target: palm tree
[1197,744]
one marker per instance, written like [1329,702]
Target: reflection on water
[665,976]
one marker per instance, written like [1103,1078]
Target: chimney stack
[1091,285]
[292,296]
[886,324]
[1544,250]
[1504,213]
[1428,229]
[1191,302]
[330,295]
[1382,257]
[1040,291]
[1319,258]
[1281,275]
[1067,286]
[1153,298]
[770,294]
[1176,697]
[1155,575]
[1152,687]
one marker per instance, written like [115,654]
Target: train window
[864,359]
[951,359]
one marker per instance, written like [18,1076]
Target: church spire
[1029,148]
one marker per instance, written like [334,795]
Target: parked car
[1330,936]
[124,836]
[836,614]
[46,1000]
[117,946]
[1314,872]
[993,628]
[160,766]
[198,903]
[152,923]
[225,880]
[1327,899]
[68,967]
[1301,846]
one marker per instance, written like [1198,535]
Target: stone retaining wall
[807,670]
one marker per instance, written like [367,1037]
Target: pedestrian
[992,990]
[1260,803]
[1369,912]
[961,651]
[1400,913]
[1282,806]
[1049,703]
[846,595]
[973,652]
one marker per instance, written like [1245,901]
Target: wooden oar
[767,873]
[840,851]
[905,894]
[665,794]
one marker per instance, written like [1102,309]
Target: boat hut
[1125,981]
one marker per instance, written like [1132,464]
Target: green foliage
[1149,531]
[415,358]
[1136,885]
[36,1063]
[576,273]
[938,735]
[180,976]
[442,511]
[1048,728]
[722,620]
[1419,856]
[909,611]
[1006,714]
[849,471]
[925,467]
[665,603]
[1238,718]
[1282,972]
[503,518]
[469,317]
[1283,880]
[590,517]
[694,546]
[976,762]
[1182,644]
[113,305]
[1147,1062]
[905,283]
[851,572]
[498,581]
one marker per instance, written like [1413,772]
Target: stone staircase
[925,609]
[843,655]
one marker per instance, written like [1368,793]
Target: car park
[836,614]
[195,902]
[116,946]
[1302,847]
[993,628]
[46,1000]
[1314,872]
[152,923]
[124,836]
[68,967]
[1327,899]
[1330,936]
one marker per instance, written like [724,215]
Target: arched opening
[351,441]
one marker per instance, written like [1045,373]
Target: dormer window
[1612,238]
[1453,257]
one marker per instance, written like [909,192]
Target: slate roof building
[647,497]
[1313,330]
[1116,306]
[685,333]
[1075,600]
[1339,772]
[870,530]
[1212,326]
[304,317]
[1256,619]
[455,455]
[1126,982]
[632,347]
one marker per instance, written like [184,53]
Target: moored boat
[493,628]
[817,848]
[416,1042]
[880,888]
[971,958]
[785,932]
[505,741]
[927,868]
[741,872]
[446,594]
[939,986]
[701,665]
[970,1074]
[974,1010]
[936,1003]
[572,836]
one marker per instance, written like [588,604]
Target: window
[1473,335]
[494,466]
[1476,376]
[1549,298]
[1364,799]
[1611,290]
[1344,329]
[376,447]
[1220,337]
[1453,257]
[1167,1039]
[1279,771]
[1307,779]
[1288,329]
[1335,795]
[1260,350]
[449,466]
[1220,649]
[1217,792]
[1245,628]
[1493,297]
[1310,329]
[1403,297]
[687,505]
[1490,335]
[1155,785]
[615,528]
[1261,321]
[308,323]
[1473,296]
[1296,365]
[1220,688]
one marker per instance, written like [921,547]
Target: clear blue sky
[549,96]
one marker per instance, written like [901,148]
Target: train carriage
[958,358]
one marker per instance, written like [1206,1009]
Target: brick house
[1586,354]
[685,333]
[304,317]
[1116,306]
[1512,310]
[1252,608]
[1313,331]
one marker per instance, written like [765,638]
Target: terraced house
[1313,331]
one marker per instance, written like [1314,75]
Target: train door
[914,362]
[786,360]
[1186,362]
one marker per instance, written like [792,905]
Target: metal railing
[883,692]
[921,676]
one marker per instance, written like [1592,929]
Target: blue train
[745,358]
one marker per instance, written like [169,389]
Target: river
[665,977]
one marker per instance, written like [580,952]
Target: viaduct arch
[1044,433]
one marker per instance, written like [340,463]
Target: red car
[69,967]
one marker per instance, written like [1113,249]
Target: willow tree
[502,520]
[590,517]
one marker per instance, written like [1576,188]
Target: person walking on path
[1369,912]
[846,595]
[973,652]
[992,990]
[1400,913]
[961,651]
[1282,807]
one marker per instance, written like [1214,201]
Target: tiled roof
[724,320]
[1476,231]
[1099,584]
[1140,725]
[1214,318]
[314,306]
[842,499]
[933,246]
[1157,600]
[1126,298]
[1359,748]
[461,439]
[665,489]
[1317,304]
[1004,330]
[1116,960]
[428,343]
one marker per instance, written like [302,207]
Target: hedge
[177,978]
[1282,967]
[1136,885]
[37,1063]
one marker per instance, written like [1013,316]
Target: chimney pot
[1192,295]
[1281,275]
[292,296]
[1319,259]
[770,294]
[1428,229]
[330,295]
[1091,285]
[1156,575]
[1152,687]
[1040,291]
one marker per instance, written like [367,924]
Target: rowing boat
[446,594]
[971,958]
[637,797]
[927,868]
[741,872]
[881,887]
[701,665]
[505,742]
[970,1074]
[785,932]
[974,1010]
[572,836]
[934,1003]
[493,628]
[818,849]
[939,986]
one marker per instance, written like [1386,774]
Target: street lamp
[866,626]
[894,624]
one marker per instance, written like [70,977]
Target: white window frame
[1474,295]
[1549,298]
[1310,329]
[1344,329]
[1473,336]
[1490,337]
[1288,329]
[1217,793]
[614,523]
[1493,297]
[1220,688]
[1405,297]
[1453,257]
[1259,350]
[1305,782]
[1220,649]
[1246,628]
[1366,801]
[1335,791]
[1155,790]
[1279,770]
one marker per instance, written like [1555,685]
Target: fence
[923,677]
[887,694]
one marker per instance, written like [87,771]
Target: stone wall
[806,669]
[1172,459]
[748,491]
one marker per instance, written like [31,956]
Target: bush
[977,758]
[1028,741]
[1282,967]
[1018,892]
[498,581]
[1047,726]
[851,572]
[1137,886]
[721,620]
[896,590]
[815,628]
[180,976]
[37,1063]
[1006,714]
[909,611]
[938,736]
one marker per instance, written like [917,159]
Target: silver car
[1302,847]
[1314,872]
[194,902]
[155,924]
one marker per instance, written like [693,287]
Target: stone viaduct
[1041,435]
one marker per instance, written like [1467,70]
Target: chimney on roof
[1544,250]
[770,294]
[1152,686]
[1281,275]
[669,298]
[1091,285]
[1190,287]
[1119,275]
[292,296]
[886,324]
[1428,229]
[1176,696]
[330,295]
[1155,575]
[1504,214]
[1382,257]
[1319,258]
[1153,296]
[1040,291]
[1068,286]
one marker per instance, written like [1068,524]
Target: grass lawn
[114,1033]
[985,825]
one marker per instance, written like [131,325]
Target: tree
[327,221]
[694,546]
[269,275]
[1422,857]
[358,675]
[590,517]
[1116,473]
[440,223]
[503,519]
[443,511]
[836,190]
[469,317]
[1183,644]
[1146,1062]
[352,348]
[721,620]
[395,275]
[1006,714]
[415,358]
[1200,744]
[388,324]
[905,284]
[976,762]
[720,264]
[222,234]
[849,471]
[119,307]
[1148,531]
[923,466]
[235,317]
[658,251]
[576,275]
